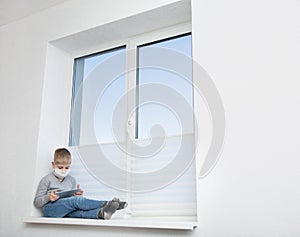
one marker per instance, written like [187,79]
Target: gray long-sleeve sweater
[51,182]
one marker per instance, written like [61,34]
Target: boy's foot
[108,209]
[122,205]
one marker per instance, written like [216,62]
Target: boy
[76,206]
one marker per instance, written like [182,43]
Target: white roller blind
[163,185]
[172,183]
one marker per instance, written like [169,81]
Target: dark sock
[101,214]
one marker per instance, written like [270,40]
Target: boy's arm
[41,196]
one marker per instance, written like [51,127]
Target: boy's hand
[52,196]
[80,193]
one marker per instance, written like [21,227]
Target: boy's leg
[99,213]
[62,207]
[90,214]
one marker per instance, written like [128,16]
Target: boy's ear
[53,165]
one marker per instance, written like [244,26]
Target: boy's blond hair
[62,156]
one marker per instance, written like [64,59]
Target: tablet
[68,193]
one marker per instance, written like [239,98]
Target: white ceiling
[12,10]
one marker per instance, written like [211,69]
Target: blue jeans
[76,207]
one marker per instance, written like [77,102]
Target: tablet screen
[65,194]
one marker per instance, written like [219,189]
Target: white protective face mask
[61,174]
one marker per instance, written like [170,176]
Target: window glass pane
[178,51]
[99,83]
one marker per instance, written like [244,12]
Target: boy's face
[63,166]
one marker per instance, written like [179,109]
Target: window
[99,84]
[156,113]
[131,129]
[96,90]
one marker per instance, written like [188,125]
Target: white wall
[250,49]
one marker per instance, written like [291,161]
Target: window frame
[131,45]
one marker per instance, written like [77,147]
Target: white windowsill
[176,225]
